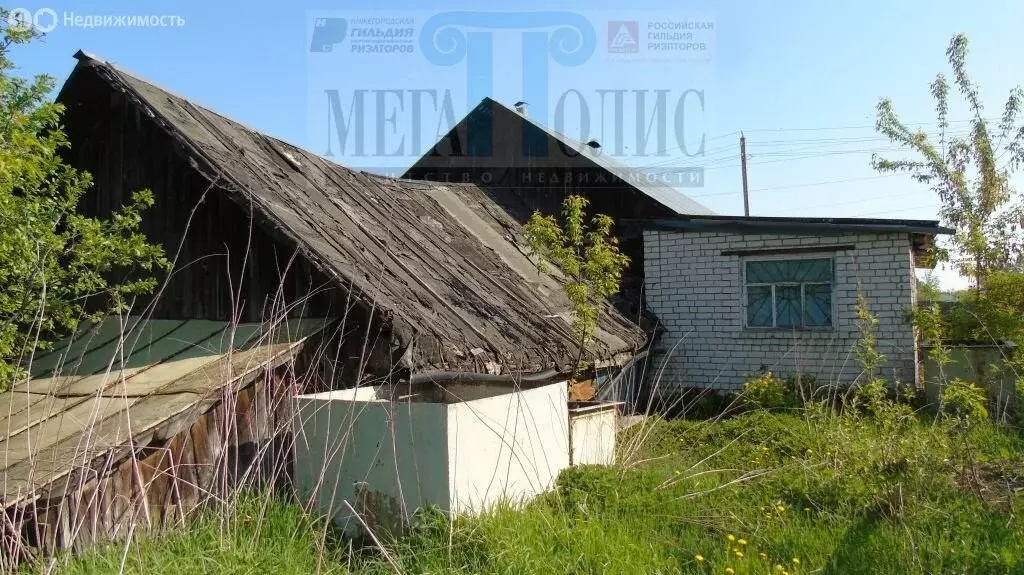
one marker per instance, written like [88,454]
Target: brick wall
[697,293]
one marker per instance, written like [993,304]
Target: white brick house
[739,295]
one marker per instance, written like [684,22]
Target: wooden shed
[134,422]
[138,422]
[437,275]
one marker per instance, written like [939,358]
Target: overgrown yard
[793,491]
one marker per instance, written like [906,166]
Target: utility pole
[743,164]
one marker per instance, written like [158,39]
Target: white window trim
[788,257]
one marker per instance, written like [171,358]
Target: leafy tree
[970,173]
[928,288]
[55,264]
[588,256]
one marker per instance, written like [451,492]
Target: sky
[800,79]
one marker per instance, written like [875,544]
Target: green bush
[768,392]
[57,266]
[964,401]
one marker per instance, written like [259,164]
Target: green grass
[256,535]
[843,494]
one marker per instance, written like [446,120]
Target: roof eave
[786,225]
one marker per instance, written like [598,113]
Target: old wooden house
[290,273]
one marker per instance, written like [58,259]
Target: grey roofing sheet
[654,187]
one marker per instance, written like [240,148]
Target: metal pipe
[622,372]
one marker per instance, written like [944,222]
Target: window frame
[830,256]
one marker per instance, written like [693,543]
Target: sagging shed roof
[128,376]
[443,263]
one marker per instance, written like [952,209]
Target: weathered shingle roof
[443,262]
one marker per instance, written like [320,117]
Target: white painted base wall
[593,434]
[462,449]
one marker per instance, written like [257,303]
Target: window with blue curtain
[789,293]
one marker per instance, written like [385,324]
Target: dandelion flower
[779,568]
[739,554]
[764,556]
[781,508]
[699,558]
[742,541]
[729,570]
[730,537]
[796,561]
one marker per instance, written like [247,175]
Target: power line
[932,206]
[860,200]
[815,143]
[807,151]
[803,185]
[807,156]
[825,183]
[867,126]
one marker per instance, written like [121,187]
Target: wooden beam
[794,250]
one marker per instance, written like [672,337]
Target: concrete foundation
[382,453]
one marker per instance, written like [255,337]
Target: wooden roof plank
[23,479]
[70,391]
[75,385]
[77,421]
[153,379]
[56,395]
[47,405]
[290,330]
[15,401]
